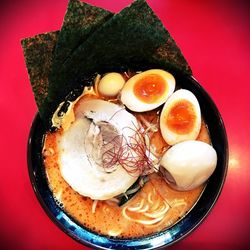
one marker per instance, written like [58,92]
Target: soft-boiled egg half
[180,118]
[147,90]
[188,164]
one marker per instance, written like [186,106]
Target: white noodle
[143,210]
[150,222]
[157,203]
[178,202]
[150,198]
[136,208]
[159,213]
[144,222]
[94,206]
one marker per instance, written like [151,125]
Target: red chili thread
[129,153]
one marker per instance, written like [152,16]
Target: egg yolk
[150,88]
[181,117]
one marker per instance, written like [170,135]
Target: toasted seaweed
[38,52]
[93,40]
[46,51]
[80,21]
[133,37]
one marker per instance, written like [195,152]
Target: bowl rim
[145,242]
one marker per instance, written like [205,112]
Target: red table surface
[213,36]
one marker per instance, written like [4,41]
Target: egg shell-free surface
[190,163]
[111,84]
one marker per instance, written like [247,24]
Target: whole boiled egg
[147,90]
[188,164]
[111,84]
[180,118]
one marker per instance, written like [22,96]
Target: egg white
[132,102]
[172,137]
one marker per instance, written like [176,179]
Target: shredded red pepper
[132,153]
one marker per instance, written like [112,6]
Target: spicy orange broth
[107,218]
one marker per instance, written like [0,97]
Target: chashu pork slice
[82,145]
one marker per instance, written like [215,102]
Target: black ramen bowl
[159,240]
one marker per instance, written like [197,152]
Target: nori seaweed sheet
[38,53]
[91,41]
[44,51]
[79,22]
[135,36]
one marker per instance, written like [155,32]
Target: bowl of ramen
[136,159]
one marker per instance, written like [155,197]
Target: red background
[214,37]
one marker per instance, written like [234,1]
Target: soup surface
[155,207]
